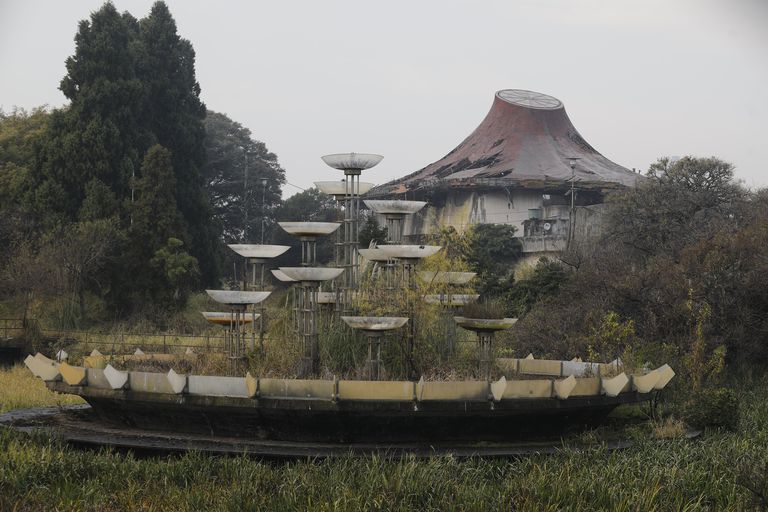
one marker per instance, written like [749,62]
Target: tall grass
[713,473]
[20,389]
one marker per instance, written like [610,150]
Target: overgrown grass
[671,474]
[20,389]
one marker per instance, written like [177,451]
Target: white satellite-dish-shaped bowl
[259,251]
[224,318]
[312,273]
[237,297]
[339,188]
[485,324]
[280,276]
[352,161]
[394,206]
[309,228]
[373,254]
[458,299]
[375,323]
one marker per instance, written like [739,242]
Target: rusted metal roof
[525,140]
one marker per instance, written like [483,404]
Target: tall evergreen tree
[174,114]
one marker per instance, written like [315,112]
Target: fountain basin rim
[375,323]
[485,324]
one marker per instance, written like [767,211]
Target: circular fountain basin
[375,323]
[280,276]
[394,206]
[409,252]
[259,251]
[459,299]
[310,228]
[237,297]
[326,297]
[338,189]
[447,277]
[224,318]
[317,274]
[485,324]
[374,254]
[352,161]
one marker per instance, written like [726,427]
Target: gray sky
[410,80]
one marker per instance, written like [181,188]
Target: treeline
[118,203]
[679,273]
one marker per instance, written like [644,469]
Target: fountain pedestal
[485,328]
[374,328]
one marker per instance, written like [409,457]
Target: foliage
[179,269]
[712,407]
[242,179]
[545,281]
[371,232]
[493,250]
[486,308]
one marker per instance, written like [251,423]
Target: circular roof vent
[529,99]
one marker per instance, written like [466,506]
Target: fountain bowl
[352,161]
[375,323]
[280,276]
[224,318]
[447,277]
[394,206]
[484,324]
[458,299]
[237,297]
[306,274]
[338,189]
[259,251]
[373,254]
[409,252]
[309,228]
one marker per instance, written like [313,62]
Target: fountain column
[352,164]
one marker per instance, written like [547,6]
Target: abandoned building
[518,167]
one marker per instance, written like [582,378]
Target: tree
[174,114]
[679,203]
[371,232]
[242,179]
[180,271]
[493,251]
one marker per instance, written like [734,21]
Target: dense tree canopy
[243,180]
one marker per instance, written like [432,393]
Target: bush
[713,408]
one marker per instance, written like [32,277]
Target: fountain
[238,301]
[310,279]
[352,164]
[374,327]
[258,255]
[394,211]
[485,329]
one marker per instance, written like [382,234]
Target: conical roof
[526,140]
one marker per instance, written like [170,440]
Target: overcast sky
[411,79]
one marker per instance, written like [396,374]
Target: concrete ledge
[564,387]
[377,390]
[614,385]
[539,388]
[541,367]
[73,375]
[43,368]
[151,382]
[296,388]
[95,361]
[116,378]
[217,386]
[96,379]
[666,374]
[645,383]
[472,391]
[587,386]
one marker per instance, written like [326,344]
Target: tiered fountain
[374,327]
[238,301]
[309,276]
[352,164]
[258,255]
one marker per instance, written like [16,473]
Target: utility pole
[572,220]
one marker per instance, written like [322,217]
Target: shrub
[713,407]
